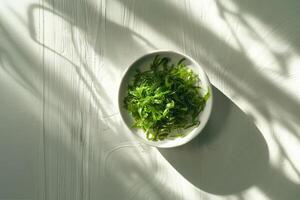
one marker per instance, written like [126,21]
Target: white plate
[143,63]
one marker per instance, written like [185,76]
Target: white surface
[61,134]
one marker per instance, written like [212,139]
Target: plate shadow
[229,156]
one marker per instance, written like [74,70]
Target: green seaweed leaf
[165,99]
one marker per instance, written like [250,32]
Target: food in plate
[165,99]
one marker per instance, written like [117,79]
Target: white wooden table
[61,136]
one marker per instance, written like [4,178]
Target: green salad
[166,99]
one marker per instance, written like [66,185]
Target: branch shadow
[276,23]
[96,40]
[72,135]
[281,16]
